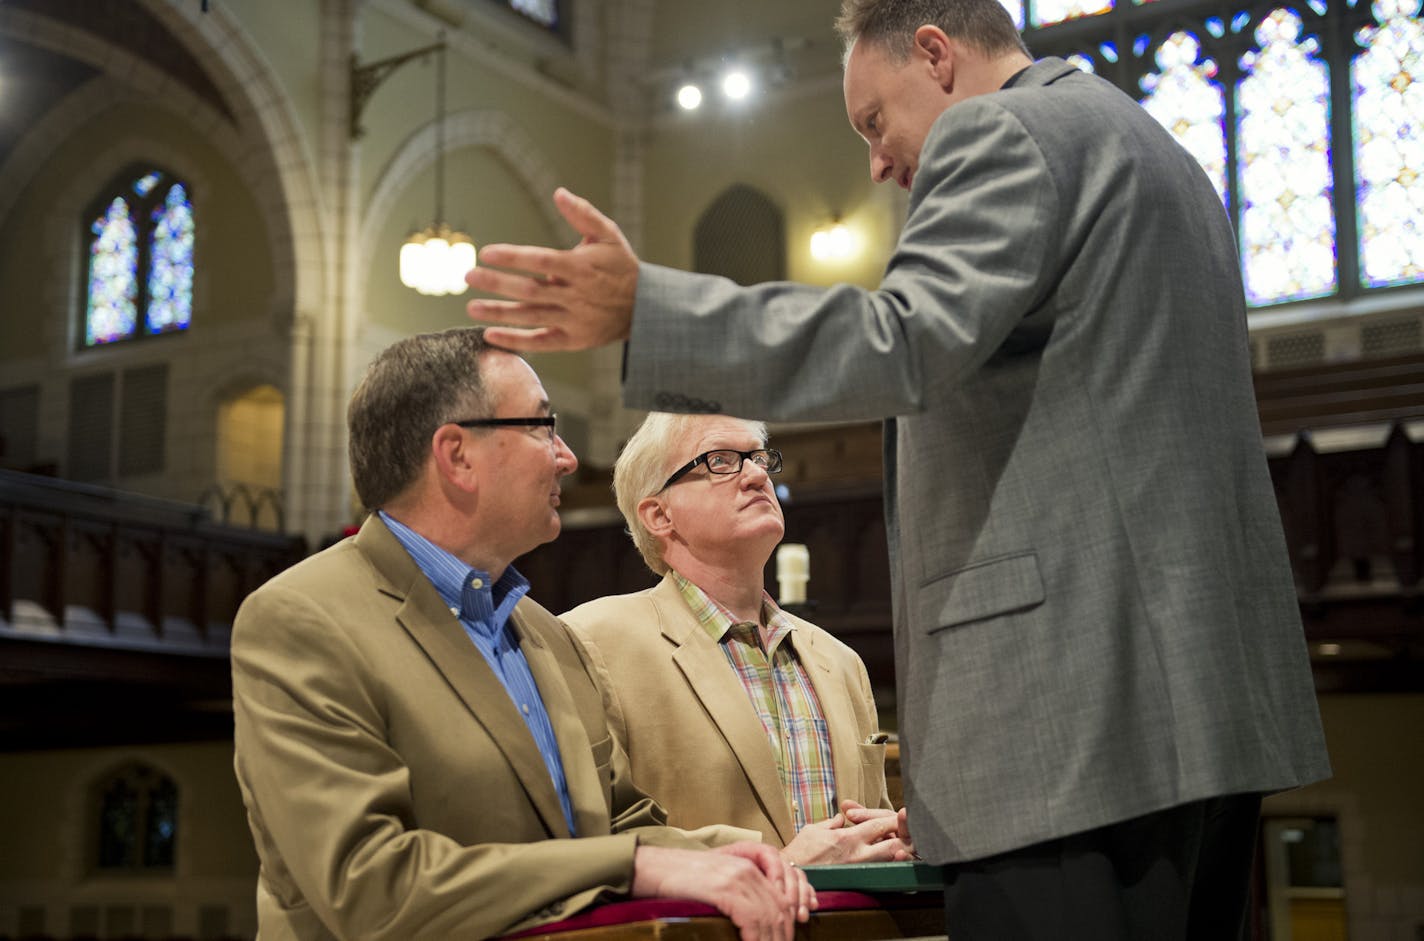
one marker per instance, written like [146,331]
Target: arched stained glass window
[170,274]
[1287,228]
[113,276]
[1185,99]
[140,234]
[1387,81]
[138,820]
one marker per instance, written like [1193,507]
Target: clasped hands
[858,834]
[763,894]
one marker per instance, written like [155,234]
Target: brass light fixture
[434,260]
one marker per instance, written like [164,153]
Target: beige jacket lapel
[429,623]
[591,814]
[835,709]
[704,666]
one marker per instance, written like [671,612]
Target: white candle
[793,571]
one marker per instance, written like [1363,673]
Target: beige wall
[1377,792]
[47,819]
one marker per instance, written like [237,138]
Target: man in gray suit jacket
[1099,657]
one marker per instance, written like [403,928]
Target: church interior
[210,213]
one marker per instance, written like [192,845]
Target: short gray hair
[983,24]
[412,388]
[644,465]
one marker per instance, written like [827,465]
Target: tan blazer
[691,732]
[392,788]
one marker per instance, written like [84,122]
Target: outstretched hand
[572,299]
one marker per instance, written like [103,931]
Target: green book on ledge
[876,877]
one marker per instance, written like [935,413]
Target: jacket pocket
[603,757]
[872,773]
[984,590]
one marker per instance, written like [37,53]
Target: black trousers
[1181,874]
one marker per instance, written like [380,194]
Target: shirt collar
[716,620]
[452,578]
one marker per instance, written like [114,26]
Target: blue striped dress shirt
[483,609]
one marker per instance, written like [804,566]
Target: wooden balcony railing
[113,604]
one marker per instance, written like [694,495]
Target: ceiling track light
[739,73]
[689,96]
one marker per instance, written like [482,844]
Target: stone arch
[275,148]
[741,235]
[279,177]
[494,130]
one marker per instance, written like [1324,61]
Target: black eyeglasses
[543,421]
[728,461]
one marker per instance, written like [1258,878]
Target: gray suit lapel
[435,630]
[705,667]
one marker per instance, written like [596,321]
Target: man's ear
[937,52]
[454,458]
[654,517]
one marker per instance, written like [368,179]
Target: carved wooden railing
[116,604]
[1352,506]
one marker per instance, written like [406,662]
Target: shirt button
[526,709]
[477,583]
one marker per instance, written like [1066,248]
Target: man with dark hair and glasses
[731,709]
[421,747]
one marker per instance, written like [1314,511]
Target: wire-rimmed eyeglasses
[548,421]
[728,461]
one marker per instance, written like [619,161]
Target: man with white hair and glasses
[733,710]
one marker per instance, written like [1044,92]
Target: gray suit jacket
[1095,617]
[691,733]
[392,787]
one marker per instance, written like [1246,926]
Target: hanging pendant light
[434,260]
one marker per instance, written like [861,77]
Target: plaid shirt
[782,695]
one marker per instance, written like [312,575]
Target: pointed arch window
[139,235]
[1287,220]
[1308,118]
[137,813]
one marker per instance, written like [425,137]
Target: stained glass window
[1387,81]
[543,12]
[1186,99]
[1261,125]
[1287,227]
[140,235]
[113,276]
[170,273]
[138,820]
[1046,12]
[1016,10]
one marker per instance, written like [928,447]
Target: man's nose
[880,167]
[564,457]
